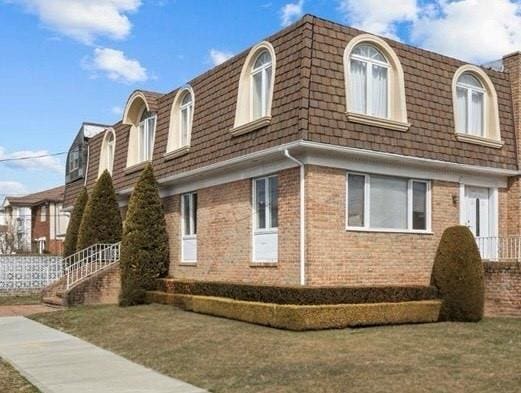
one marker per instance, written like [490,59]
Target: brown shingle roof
[51,195]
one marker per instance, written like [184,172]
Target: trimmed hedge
[71,237]
[459,276]
[301,295]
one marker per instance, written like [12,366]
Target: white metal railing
[495,248]
[89,261]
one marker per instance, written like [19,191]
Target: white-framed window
[189,227]
[108,147]
[146,132]
[386,203]
[261,74]
[470,105]
[74,159]
[369,81]
[185,118]
[43,213]
[265,221]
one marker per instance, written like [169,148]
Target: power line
[33,157]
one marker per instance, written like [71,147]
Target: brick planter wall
[100,288]
[502,289]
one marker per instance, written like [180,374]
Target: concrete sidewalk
[58,362]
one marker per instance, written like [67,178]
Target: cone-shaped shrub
[144,247]
[71,237]
[458,275]
[101,221]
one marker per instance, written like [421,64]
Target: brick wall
[502,289]
[100,288]
[225,234]
[339,257]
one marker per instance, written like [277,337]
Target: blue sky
[68,61]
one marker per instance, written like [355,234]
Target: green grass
[11,381]
[16,300]
[229,356]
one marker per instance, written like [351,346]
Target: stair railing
[90,260]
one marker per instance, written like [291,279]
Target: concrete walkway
[25,309]
[58,362]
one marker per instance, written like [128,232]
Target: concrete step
[60,293]
[53,301]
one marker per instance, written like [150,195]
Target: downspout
[302,218]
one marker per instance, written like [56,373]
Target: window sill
[478,140]
[176,153]
[136,167]
[384,230]
[187,263]
[264,264]
[377,121]
[251,126]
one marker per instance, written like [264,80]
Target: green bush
[300,295]
[458,275]
[144,247]
[101,221]
[71,237]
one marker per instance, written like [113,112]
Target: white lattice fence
[25,273]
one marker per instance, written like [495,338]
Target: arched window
[375,91]
[142,121]
[261,85]
[369,81]
[470,105]
[108,148]
[256,85]
[181,118]
[476,114]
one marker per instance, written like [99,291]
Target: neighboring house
[323,155]
[37,221]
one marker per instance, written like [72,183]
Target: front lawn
[229,356]
[12,381]
[16,300]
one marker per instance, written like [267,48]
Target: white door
[477,218]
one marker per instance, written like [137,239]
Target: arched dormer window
[476,115]
[181,118]
[108,148]
[142,123]
[375,92]
[256,85]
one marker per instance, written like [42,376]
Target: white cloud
[219,57]
[471,30]
[11,188]
[84,20]
[116,66]
[378,16]
[37,162]
[290,12]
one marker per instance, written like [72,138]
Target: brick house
[323,155]
[38,221]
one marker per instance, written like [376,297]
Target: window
[369,81]
[185,111]
[265,202]
[256,86]
[43,213]
[387,203]
[261,85]
[181,118]
[108,147]
[189,227]
[470,105]
[74,159]
[146,130]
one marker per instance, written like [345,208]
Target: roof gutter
[302,205]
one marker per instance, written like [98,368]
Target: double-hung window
[470,105]
[265,202]
[74,159]
[109,153]
[261,85]
[189,227]
[146,131]
[387,203]
[369,81]
[185,111]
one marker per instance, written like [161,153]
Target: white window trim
[268,229]
[147,140]
[263,70]
[191,236]
[369,82]
[367,206]
[107,162]
[175,147]
[74,164]
[469,111]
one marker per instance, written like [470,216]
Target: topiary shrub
[144,247]
[458,275]
[101,221]
[71,237]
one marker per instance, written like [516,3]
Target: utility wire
[33,157]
